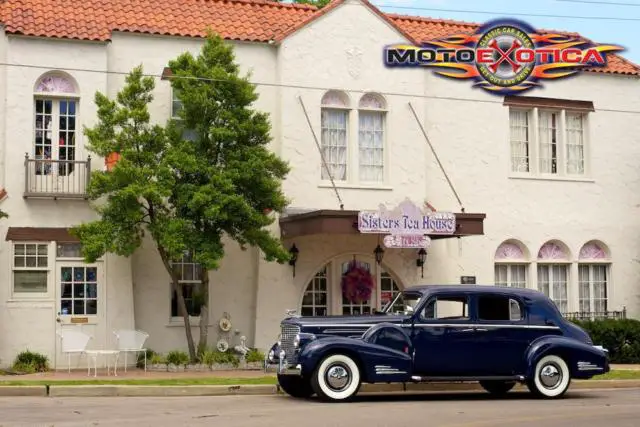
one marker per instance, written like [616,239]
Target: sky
[569,15]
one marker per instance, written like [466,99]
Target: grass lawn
[620,375]
[268,380]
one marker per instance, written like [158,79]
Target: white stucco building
[548,181]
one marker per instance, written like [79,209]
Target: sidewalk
[134,374]
[138,374]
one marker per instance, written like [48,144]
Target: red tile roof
[245,20]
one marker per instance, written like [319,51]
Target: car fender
[584,360]
[377,362]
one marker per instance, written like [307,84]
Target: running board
[418,379]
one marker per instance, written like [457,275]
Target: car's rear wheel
[337,378]
[551,378]
[498,388]
[295,386]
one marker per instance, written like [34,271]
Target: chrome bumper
[282,367]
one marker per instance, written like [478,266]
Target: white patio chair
[130,341]
[73,342]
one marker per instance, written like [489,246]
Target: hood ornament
[291,312]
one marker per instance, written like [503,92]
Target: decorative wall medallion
[354,61]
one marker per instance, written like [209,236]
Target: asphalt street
[593,408]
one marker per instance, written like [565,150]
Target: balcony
[597,315]
[56,179]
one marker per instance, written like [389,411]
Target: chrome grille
[287,334]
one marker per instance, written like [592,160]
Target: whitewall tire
[551,378]
[336,379]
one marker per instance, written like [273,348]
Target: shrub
[255,355]
[140,361]
[620,336]
[211,357]
[156,359]
[29,362]
[178,358]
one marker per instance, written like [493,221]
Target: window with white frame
[176,104]
[335,136]
[190,279]
[553,273]
[593,279]
[510,265]
[55,125]
[371,136]
[547,141]
[323,294]
[520,140]
[314,300]
[30,267]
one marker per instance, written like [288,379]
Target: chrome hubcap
[337,377]
[550,376]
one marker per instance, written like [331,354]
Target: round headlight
[296,341]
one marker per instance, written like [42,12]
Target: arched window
[511,265]
[56,124]
[335,135]
[323,294]
[371,137]
[593,279]
[553,273]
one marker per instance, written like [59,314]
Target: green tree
[3,215]
[318,3]
[185,194]
[227,179]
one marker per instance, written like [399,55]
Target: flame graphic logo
[548,56]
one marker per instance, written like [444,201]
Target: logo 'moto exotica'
[504,56]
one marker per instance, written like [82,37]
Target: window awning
[346,222]
[40,234]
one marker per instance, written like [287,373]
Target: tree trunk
[182,305]
[204,311]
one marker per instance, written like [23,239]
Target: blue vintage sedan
[494,335]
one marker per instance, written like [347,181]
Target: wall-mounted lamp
[294,251]
[422,257]
[379,253]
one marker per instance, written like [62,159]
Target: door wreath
[357,284]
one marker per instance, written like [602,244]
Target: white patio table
[93,355]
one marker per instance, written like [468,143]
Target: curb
[264,390]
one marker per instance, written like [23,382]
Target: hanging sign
[406,219]
[407,241]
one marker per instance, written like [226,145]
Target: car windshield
[403,303]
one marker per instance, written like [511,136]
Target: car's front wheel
[498,388]
[337,378]
[295,386]
[551,377]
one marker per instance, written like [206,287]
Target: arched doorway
[323,294]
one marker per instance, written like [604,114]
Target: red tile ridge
[334,4]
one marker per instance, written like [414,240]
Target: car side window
[499,308]
[446,308]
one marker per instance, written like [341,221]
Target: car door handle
[467,330]
[481,330]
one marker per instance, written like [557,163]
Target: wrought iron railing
[595,315]
[57,179]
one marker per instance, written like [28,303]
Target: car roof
[523,292]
